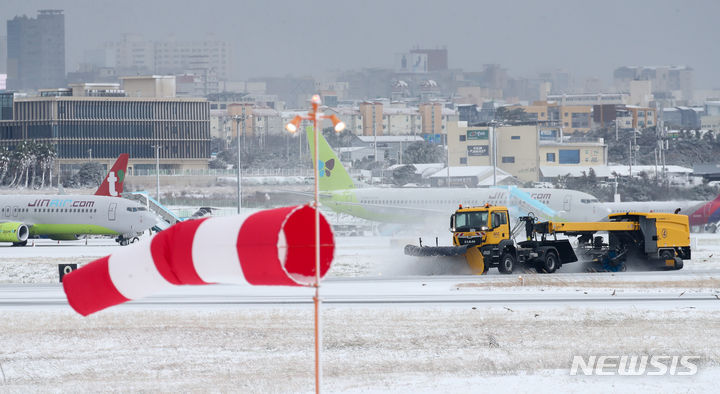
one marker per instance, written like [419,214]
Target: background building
[102,127]
[432,120]
[574,118]
[3,54]
[624,116]
[372,118]
[683,117]
[666,81]
[36,51]
[6,105]
[149,86]
[469,145]
[133,54]
[521,149]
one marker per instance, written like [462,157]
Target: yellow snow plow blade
[475,260]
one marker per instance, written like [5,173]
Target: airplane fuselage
[404,205]
[65,215]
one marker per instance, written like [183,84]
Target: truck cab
[486,232]
[485,225]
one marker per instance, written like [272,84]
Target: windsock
[271,247]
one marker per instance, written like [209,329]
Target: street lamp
[293,127]
[238,119]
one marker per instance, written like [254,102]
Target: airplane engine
[13,232]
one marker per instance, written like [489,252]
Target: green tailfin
[332,174]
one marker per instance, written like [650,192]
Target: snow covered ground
[416,349]
[468,346]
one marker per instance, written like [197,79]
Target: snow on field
[413,348]
[419,349]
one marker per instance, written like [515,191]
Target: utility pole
[664,143]
[400,161]
[616,128]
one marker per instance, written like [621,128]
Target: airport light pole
[315,115]
[238,119]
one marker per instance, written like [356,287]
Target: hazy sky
[587,38]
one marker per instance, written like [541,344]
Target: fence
[246,172]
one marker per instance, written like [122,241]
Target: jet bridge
[166,215]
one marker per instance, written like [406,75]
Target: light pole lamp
[315,116]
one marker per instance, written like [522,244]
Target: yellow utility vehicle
[483,235]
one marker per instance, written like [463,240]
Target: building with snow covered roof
[678,175]
[683,117]
[521,149]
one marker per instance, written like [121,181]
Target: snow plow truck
[484,237]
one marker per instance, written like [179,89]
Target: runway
[440,291]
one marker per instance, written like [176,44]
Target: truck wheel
[668,259]
[678,263]
[507,263]
[550,264]
[667,255]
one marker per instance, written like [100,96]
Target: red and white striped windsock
[272,247]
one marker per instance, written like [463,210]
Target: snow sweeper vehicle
[483,236]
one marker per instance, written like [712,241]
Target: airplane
[413,205]
[410,205]
[64,217]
